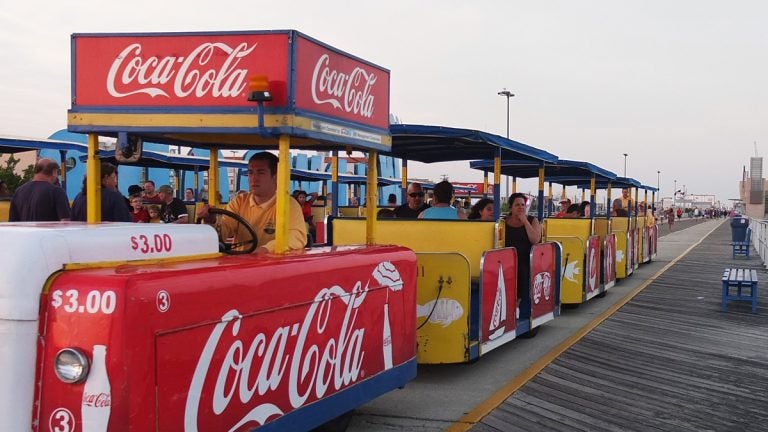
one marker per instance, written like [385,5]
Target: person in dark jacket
[114,207]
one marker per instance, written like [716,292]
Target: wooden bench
[743,247]
[739,278]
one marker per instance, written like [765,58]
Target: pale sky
[678,85]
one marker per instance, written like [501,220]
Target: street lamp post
[658,186]
[625,164]
[507,94]
[674,195]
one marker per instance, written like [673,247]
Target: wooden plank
[668,360]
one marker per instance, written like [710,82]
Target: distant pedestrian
[39,200]
[671,217]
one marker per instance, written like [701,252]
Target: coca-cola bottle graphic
[387,344]
[97,396]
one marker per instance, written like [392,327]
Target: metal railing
[760,237]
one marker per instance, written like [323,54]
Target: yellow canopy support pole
[213,178]
[371,198]
[485,183]
[93,186]
[497,174]
[550,197]
[283,180]
[592,204]
[514,184]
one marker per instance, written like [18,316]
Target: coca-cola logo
[350,92]
[195,74]
[97,400]
[298,359]
[592,269]
[542,286]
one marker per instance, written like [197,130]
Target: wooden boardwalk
[668,360]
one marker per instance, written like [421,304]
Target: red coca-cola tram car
[137,327]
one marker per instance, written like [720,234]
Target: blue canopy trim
[430,144]
[560,169]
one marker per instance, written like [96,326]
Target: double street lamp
[507,94]
[625,164]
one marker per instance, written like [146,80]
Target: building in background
[752,190]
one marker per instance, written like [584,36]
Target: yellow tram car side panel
[602,228]
[442,308]
[572,234]
[619,226]
[469,238]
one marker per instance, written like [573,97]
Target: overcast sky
[678,85]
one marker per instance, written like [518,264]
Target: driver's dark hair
[269,158]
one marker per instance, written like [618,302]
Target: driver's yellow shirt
[262,219]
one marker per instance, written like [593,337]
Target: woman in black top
[522,232]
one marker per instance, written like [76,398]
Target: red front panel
[499,293]
[340,86]
[178,70]
[543,279]
[593,266]
[230,343]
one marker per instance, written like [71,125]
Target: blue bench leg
[724,305]
[754,298]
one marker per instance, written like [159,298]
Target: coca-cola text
[350,92]
[196,74]
[259,366]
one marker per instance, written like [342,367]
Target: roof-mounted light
[259,87]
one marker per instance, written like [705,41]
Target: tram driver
[258,208]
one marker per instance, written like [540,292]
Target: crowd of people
[42,199]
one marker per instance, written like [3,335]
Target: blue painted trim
[333,141]
[319,412]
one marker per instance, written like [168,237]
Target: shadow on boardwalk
[669,360]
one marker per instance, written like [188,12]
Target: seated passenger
[522,232]
[138,212]
[114,207]
[414,203]
[617,209]
[189,196]
[584,209]
[573,211]
[482,210]
[441,207]
[154,213]
[564,206]
[172,209]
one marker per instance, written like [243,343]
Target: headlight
[71,365]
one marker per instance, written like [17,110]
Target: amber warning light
[259,86]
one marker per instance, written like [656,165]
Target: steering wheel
[230,248]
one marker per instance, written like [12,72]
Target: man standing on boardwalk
[40,200]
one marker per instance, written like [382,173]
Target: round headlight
[71,365]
